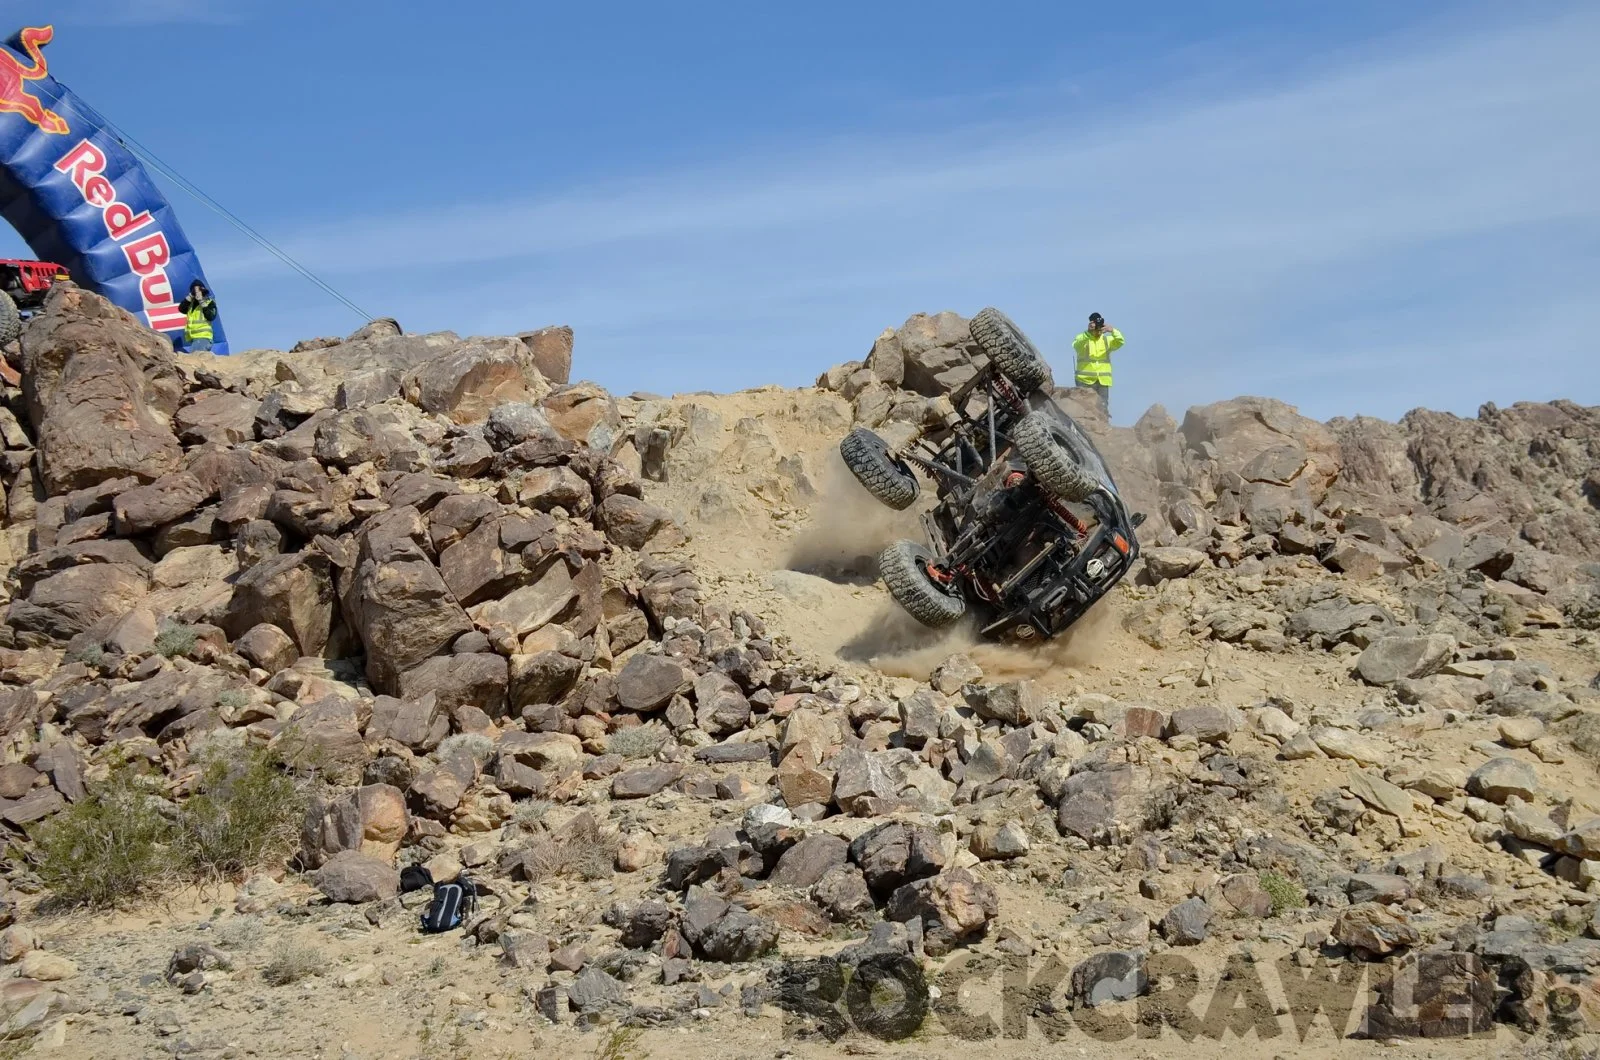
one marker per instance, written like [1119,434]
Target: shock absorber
[1008,393]
[1067,516]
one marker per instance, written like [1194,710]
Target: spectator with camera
[200,309]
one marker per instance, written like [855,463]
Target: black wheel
[1046,448]
[1010,351]
[889,480]
[904,566]
[10,319]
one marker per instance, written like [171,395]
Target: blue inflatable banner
[82,200]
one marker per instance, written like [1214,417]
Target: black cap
[1096,318]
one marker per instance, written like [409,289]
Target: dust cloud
[848,529]
[896,644]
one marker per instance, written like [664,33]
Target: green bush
[112,844]
[1284,892]
[233,699]
[91,655]
[176,640]
[246,811]
[122,840]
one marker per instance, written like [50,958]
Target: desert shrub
[176,640]
[90,655]
[1584,613]
[233,699]
[638,741]
[292,962]
[114,843]
[1284,892]
[529,816]
[242,933]
[246,811]
[123,839]
[622,1043]
[475,745]
[575,849]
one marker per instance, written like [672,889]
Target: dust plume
[848,529]
[897,645]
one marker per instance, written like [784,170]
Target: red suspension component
[1003,387]
[1066,515]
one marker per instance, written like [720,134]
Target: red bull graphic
[79,197]
[14,95]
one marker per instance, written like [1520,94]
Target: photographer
[1094,347]
[200,309]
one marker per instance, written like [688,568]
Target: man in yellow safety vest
[199,309]
[1094,358]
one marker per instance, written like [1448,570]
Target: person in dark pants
[199,309]
[1093,348]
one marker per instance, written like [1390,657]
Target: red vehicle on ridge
[23,285]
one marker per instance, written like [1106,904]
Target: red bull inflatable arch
[81,199]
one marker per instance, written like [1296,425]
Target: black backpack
[452,904]
[415,878]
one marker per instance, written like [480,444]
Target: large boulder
[351,877]
[395,600]
[584,413]
[293,591]
[1395,658]
[100,391]
[1265,441]
[648,682]
[166,500]
[469,381]
[551,350]
[634,523]
[476,679]
[371,821]
[217,417]
[937,354]
[76,599]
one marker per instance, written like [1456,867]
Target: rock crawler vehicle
[1028,530]
[23,285]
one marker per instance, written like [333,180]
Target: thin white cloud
[1219,232]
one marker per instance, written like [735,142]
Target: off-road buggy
[1029,529]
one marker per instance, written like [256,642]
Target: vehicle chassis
[979,522]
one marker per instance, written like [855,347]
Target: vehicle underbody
[1028,526]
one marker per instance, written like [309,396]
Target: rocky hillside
[617,660]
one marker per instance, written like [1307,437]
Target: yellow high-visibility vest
[197,327]
[1094,356]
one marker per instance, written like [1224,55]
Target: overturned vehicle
[1028,529]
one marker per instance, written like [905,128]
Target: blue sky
[1356,207]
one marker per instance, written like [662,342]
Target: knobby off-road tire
[10,319]
[1043,445]
[1010,351]
[903,566]
[887,479]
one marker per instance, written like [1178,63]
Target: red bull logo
[147,255]
[14,76]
